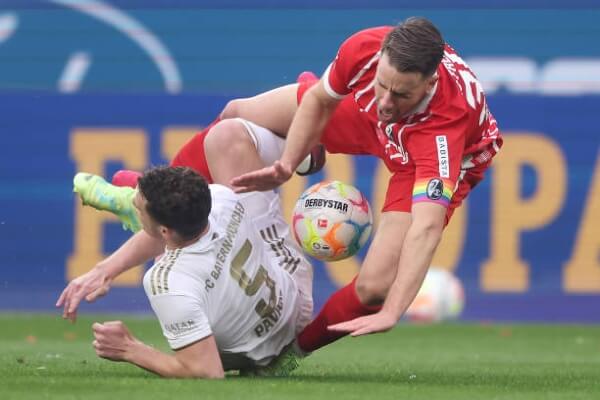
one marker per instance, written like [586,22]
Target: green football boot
[283,365]
[94,191]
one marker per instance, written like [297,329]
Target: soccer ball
[440,298]
[332,220]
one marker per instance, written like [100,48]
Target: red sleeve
[356,53]
[437,151]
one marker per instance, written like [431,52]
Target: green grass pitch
[44,357]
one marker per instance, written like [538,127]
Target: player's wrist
[392,312]
[107,271]
[134,349]
[288,165]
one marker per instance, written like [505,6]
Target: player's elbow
[212,375]
[195,369]
[200,372]
[318,98]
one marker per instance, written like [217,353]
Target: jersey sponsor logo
[435,189]
[443,159]
[320,203]
[180,328]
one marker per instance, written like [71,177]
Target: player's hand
[264,179]
[379,322]
[113,341]
[91,285]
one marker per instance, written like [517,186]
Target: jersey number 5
[251,285]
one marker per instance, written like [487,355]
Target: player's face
[398,93]
[150,226]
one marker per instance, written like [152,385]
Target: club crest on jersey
[435,189]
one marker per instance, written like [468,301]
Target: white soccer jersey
[235,283]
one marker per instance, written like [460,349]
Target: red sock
[343,305]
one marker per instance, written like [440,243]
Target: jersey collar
[206,240]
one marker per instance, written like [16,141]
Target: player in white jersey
[232,288]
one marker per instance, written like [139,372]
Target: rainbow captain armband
[433,190]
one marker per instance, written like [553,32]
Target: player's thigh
[380,266]
[192,154]
[230,151]
[273,110]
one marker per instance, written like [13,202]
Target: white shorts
[268,145]
[304,279]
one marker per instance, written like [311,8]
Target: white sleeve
[182,319]
[330,91]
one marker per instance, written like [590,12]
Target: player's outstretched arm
[304,134]
[267,178]
[95,283]
[382,321]
[418,248]
[113,341]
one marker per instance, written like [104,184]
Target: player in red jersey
[403,95]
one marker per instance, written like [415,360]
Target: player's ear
[164,231]
[169,234]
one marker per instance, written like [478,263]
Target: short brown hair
[178,198]
[414,45]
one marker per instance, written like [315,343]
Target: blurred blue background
[102,85]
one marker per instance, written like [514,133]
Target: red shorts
[399,192]
[347,132]
[192,153]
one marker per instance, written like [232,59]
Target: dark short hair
[178,198]
[414,45]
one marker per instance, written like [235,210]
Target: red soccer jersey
[449,132]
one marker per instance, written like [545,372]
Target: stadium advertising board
[525,244]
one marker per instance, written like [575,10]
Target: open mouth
[385,115]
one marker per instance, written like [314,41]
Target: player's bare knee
[228,137]
[370,293]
